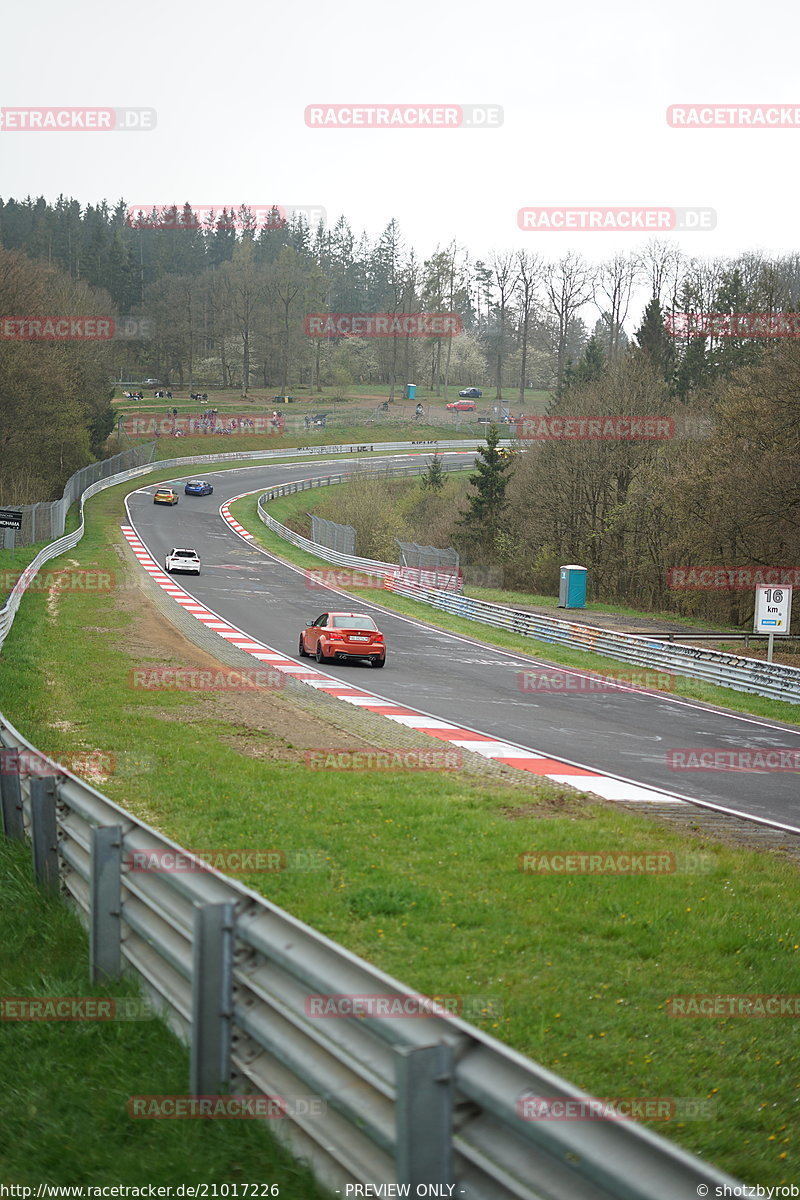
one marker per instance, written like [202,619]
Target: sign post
[773,613]
[11,519]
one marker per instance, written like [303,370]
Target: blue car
[198,487]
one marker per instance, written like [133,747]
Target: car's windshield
[353,621]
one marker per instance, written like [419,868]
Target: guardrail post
[11,794]
[105,886]
[212,998]
[424,1115]
[44,831]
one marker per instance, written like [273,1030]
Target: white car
[182,560]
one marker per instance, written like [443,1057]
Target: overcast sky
[584,90]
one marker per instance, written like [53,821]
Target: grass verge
[419,874]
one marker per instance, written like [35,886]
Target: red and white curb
[554,769]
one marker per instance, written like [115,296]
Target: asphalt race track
[621,732]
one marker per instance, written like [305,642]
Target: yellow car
[165,496]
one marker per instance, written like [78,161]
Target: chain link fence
[45,521]
[334,536]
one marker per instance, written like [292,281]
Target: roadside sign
[773,613]
[10,519]
[773,609]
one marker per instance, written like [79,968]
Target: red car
[337,635]
[462,406]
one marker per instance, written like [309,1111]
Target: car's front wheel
[301,650]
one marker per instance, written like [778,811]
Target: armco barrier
[772,680]
[9,609]
[47,519]
[370,566]
[428,1102]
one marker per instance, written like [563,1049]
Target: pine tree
[654,340]
[433,479]
[483,518]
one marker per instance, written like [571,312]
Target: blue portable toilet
[572,587]
[411,391]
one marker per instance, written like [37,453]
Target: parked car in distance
[198,487]
[462,406]
[182,560]
[337,635]
[152,382]
[471,393]
[165,496]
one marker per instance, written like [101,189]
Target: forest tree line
[227,306]
[226,299]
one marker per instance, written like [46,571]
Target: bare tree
[506,278]
[614,283]
[568,286]
[664,265]
[530,272]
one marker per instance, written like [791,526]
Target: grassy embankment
[421,877]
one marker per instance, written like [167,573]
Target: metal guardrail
[69,540]
[47,518]
[417,1101]
[11,606]
[426,1100]
[772,680]
[369,566]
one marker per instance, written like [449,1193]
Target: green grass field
[421,877]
